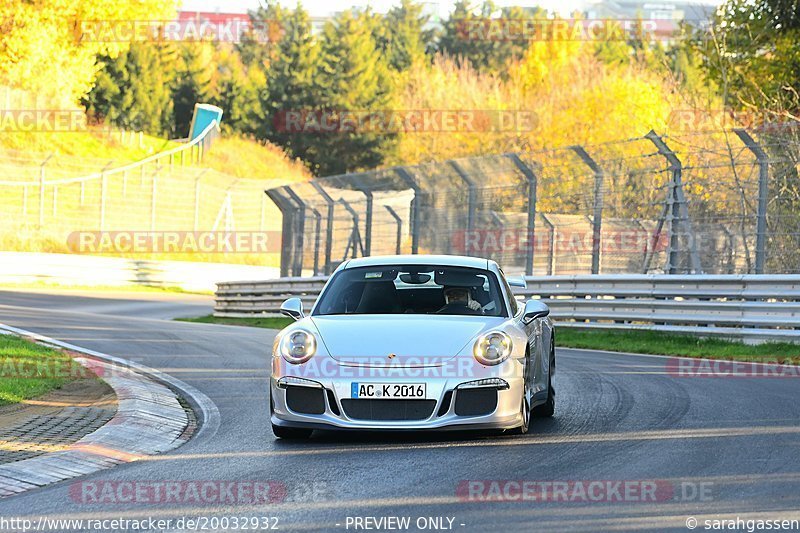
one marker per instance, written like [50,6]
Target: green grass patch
[661,343]
[28,370]
[277,322]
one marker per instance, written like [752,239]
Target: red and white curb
[149,420]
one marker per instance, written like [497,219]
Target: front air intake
[476,402]
[388,409]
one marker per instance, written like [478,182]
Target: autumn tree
[49,47]
[751,52]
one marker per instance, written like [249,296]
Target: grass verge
[28,370]
[277,322]
[661,343]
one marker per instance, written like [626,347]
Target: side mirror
[517,281]
[293,307]
[534,309]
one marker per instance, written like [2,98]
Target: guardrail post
[465,177]
[530,176]
[399,228]
[300,228]
[287,211]
[678,210]
[416,208]
[597,211]
[763,191]
[328,226]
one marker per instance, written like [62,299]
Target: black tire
[548,408]
[291,433]
[526,417]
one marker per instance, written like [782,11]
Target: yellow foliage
[574,97]
[246,158]
[43,48]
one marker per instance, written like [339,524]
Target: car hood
[415,340]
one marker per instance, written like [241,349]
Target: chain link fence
[45,201]
[719,202]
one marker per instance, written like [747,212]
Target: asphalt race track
[713,447]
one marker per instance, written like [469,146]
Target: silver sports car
[413,342]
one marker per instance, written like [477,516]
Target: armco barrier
[753,307]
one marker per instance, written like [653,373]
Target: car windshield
[412,289]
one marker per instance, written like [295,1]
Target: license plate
[389,391]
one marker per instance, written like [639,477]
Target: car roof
[434,260]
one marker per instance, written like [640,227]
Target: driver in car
[459,302]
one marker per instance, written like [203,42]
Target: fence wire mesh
[714,202]
[45,201]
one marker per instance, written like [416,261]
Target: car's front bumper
[447,413]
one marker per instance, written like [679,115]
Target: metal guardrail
[753,307]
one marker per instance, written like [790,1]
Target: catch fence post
[597,211]
[532,180]
[678,211]
[763,192]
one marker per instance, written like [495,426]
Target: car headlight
[492,348]
[298,346]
